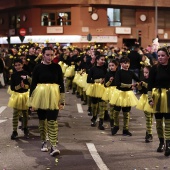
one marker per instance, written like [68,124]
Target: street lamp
[156,19]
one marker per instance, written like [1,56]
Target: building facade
[82,21]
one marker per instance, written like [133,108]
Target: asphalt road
[82,147]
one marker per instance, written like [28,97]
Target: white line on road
[96,157]
[1,121]
[79,108]
[2,108]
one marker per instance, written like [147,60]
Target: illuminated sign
[60,39]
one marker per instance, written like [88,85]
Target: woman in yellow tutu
[95,90]
[19,97]
[144,105]
[47,97]
[123,97]
[159,98]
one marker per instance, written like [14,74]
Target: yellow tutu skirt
[70,71]
[45,96]
[86,86]
[63,66]
[108,93]
[143,104]
[9,91]
[123,98]
[19,100]
[82,80]
[161,98]
[76,77]
[95,90]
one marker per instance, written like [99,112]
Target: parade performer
[47,97]
[159,98]
[144,105]
[95,90]
[19,97]
[110,87]
[123,97]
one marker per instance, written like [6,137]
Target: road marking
[79,108]
[96,157]
[1,121]
[2,108]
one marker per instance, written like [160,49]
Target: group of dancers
[101,82]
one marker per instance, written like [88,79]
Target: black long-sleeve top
[77,67]
[110,74]
[71,60]
[1,66]
[135,59]
[47,74]
[16,81]
[88,66]
[125,77]
[96,72]
[159,77]
[31,63]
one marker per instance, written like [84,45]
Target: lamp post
[156,19]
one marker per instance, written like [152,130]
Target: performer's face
[18,66]
[48,56]
[125,65]
[163,57]
[146,72]
[101,61]
[112,66]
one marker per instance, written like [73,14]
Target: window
[14,21]
[113,16]
[18,20]
[64,18]
[55,18]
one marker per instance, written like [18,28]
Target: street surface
[82,147]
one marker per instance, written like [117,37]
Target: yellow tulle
[19,100]
[161,98]
[45,96]
[76,77]
[63,66]
[86,86]
[108,93]
[82,80]
[70,71]
[9,91]
[95,90]
[123,98]
[143,104]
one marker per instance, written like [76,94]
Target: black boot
[148,138]
[167,149]
[14,135]
[93,121]
[161,146]
[101,127]
[126,132]
[114,130]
